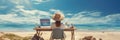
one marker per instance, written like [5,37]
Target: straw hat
[61,16]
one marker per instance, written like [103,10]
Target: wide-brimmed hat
[58,19]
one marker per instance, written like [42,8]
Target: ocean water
[78,27]
[98,28]
[15,28]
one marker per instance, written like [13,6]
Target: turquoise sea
[78,27]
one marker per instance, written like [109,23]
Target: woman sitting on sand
[57,17]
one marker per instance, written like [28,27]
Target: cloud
[114,18]
[23,13]
[19,7]
[69,14]
[39,1]
[3,7]
[20,2]
[54,10]
[22,16]
[30,12]
[86,17]
[27,3]
[7,17]
[95,14]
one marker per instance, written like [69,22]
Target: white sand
[78,35]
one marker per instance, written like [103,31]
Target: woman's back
[53,25]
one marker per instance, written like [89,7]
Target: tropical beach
[59,19]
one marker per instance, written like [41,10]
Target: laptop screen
[45,22]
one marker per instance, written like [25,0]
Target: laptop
[45,22]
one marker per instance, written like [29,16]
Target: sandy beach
[78,35]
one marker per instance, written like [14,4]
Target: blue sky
[15,13]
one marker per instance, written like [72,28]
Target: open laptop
[45,22]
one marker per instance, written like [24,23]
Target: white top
[54,26]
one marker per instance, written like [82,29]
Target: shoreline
[50,31]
